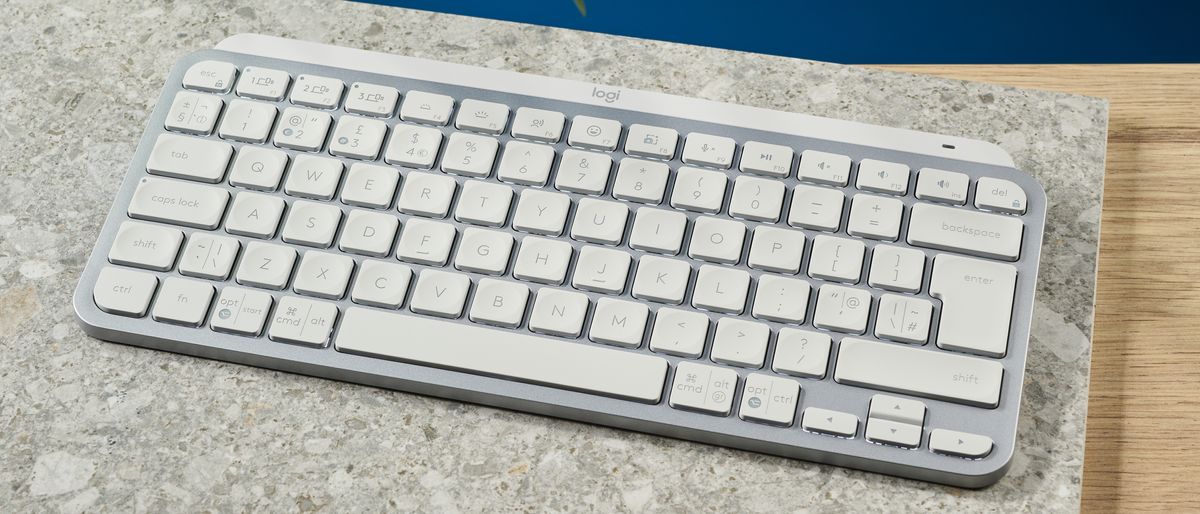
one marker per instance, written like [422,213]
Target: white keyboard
[710,272]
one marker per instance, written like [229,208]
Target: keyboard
[773,282]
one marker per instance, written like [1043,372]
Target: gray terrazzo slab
[92,426]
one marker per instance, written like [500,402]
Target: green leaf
[582,8]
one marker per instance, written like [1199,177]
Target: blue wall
[881,31]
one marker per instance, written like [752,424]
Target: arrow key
[900,410]
[959,444]
[829,422]
[889,432]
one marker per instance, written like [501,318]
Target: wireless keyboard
[774,282]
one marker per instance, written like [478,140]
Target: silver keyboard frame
[1000,424]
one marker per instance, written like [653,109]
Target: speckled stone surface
[93,426]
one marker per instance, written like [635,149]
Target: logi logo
[608,96]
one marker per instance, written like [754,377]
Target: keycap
[258,168]
[510,354]
[263,83]
[371,99]
[209,256]
[369,185]
[618,322]
[538,125]
[882,177]
[241,311]
[189,158]
[959,444]
[835,258]
[599,221]
[698,190]
[900,410]
[124,291]
[896,268]
[254,215]
[302,129]
[583,172]
[942,186]
[708,150]
[824,168]
[594,133]
[903,318]
[303,321]
[739,342]
[368,233]
[842,309]
[470,155]
[965,231]
[875,217]
[721,289]
[413,146]
[426,242]
[525,163]
[381,284]
[266,265]
[479,116]
[357,137]
[602,270]
[311,224]
[182,301]
[178,203]
[323,275]
[429,108]
[776,249]
[499,302]
[703,388]
[758,199]
[801,353]
[313,177]
[248,121]
[679,332]
[769,399]
[542,260]
[641,181]
[211,76]
[483,203]
[658,230]
[766,159]
[1000,195]
[194,113]
[919,372]
[317,91]
[817,208]
[650,141]
[426,194]
[484,251]
[892,433]
[717,240]
[829,422]
[977,299]
[440,293]
[780,299]
[662,280]
[558,312]
[146,246]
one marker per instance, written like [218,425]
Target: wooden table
[1143,433]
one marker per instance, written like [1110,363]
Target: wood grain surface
[1143,424]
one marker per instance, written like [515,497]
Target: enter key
[977,301]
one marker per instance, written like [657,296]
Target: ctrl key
[124,291]
[302,321]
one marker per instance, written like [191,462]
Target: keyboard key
[538,125]
[801,353]
[263,83]
[324,275]
[189,158]
[484,251]
[526,163]
[977,299]
[258,168]
[483,203]
[942,186]
[594,133]
[619,323]
[919,372]
[583,172]
[658,230]
[836,259]
[766,159]
[369,185]
[211,76]
[842,309]
[311,224]
[769,399]
[241,311]
[470,155]
[194,113]
[314,177]
[557,312]
[302,129]
[209,256]
[829,422]
[648,141]
[602,270]
[499,302]
[721,289]
[959,444]
[247,121]
[541,212]
[900,410]
[995,194]
[824,168]
[817,208]
[371,99]
[255,215]
[178,203]
[903,318]
[882,177]
[708,150]
[357,137]
[413,146]
[698,190]
[440,293]
[641,181]
[892,433]
[510,354]
[781,299]
[124,291]
[660,279]
[426,194]
[961,230]
[717,240]
[739,342]
[703,388]
[426,242]
[266,265]
[428,108]
[303,321]
[381,284]
[757,199]
[599,221]
[679,332]
[485,117]
[896,268]
[875,217]
[145,246]
[776,249]
[182,301]
[542,260]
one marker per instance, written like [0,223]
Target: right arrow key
[959,444]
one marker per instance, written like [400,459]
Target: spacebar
[504,353]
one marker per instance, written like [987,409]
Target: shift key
[920,372]
[179,203]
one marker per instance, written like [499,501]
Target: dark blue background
[881,31]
